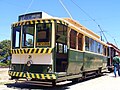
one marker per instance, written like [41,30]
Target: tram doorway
[61,57]
[61,62]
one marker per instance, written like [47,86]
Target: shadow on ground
[24,85]
[40,86]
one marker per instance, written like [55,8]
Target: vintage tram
[46,48]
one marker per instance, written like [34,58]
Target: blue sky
[105,12]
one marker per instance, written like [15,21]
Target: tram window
[80,44]
[65,48]
[87,43]
[101,49]
[65,30]
[61,33]
[60,29]
[60,46]
[61,38]
[28,36]
[56,47]
[43,34]
[95,46]
[108,51]
[104,50]
[16,37]
[73,35]
[91,45]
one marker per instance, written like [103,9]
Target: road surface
[105,82]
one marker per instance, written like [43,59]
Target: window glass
[108,50]
[99,47]
[60,46]
[65,48]
[43,34]
[73,35]
[61,38]
[60,29]
[104,50]
[28,36]
[80,44]
[86,43]
[95,46]
[16,37]
[61,33]
[91,44]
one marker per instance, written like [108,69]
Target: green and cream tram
[46,48]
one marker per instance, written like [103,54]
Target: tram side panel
[94,62]
[80,62]
[75,65]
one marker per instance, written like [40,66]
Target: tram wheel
[53,83]
[76,80]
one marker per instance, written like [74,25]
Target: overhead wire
[29,6]
[91,19]
[65,9]
[113,38]
[95,22]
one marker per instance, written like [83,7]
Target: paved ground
[4,79]
[106,82]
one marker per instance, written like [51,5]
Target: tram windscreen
[43,34]
[28,35]
[16,37]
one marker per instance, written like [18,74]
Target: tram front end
[33,50]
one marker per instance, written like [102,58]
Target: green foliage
[5,47]
[3,64]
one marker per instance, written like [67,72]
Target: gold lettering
[43,43]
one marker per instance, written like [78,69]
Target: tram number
[43,44]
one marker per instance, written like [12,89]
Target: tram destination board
[29,16]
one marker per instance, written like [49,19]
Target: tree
[5,47]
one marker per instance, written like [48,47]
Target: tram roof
[81,27]
[84,30]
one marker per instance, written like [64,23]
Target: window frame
[23,46]
[47,41]
[73,39]
[14,41]
[63,33]
[80,41]
[87,43]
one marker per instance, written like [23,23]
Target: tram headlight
[49,70]
[12,67]
[29,63]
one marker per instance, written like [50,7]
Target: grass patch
[4,65]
